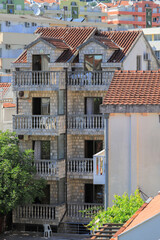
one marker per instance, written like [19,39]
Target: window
[92,105]
[92,147]
[61,102]
[61,146]
[149,37]
[8,46]
[156,37]
[41,150]
[41,106]
[26,24]
[34,24]
[46,197]
[8,70]
[8,23]
[93,193]
[154,19]
[157,54]
[139,67]
[10,9]
[73,4]
[92,62]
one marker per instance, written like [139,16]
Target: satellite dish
[37,11]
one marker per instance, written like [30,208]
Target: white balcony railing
[36,211]
[74,210]
[44,79]
[50,168]
[83,166]
[85,122]
[38,123]
[83,78]
[39,213]
[46,167]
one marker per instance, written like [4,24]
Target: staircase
[106,232]
[73,228]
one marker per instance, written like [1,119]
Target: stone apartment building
[60,81]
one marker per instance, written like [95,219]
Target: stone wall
[76,144]
[25,104]
[76,190]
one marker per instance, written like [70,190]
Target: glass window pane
[45,106]
[45,150]
[88,62]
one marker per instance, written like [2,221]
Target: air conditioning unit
[8,46]
[146,56]
[8,24]
[23,94]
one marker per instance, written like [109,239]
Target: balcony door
[40,62]
[41,106]
[92,62]
[92,105]
[93,193]
[92,147]
[41,150]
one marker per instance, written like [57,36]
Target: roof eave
[133,108]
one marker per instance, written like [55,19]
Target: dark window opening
[92,105]
[41,106]
[92,147]
[41,149]
[93,193]
[46,198]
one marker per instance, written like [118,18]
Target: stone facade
[75,172]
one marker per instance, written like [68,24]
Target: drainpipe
[66,109]
[106,139]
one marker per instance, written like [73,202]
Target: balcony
[50,169]
[38,124]
[80,168]
[38,80]
[85,124]
[39,214]
[99,168]
[91,81]
[74,209]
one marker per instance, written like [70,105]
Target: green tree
[18,184]
[123,208]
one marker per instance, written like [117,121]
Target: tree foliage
[17,175]
[123,208]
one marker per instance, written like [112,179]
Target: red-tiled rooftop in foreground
[148,210]
[58,43]
[4,88]
[9,105]
[134,88]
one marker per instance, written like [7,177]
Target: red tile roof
[22,58]
[134,88]
[106,41]
[72,36]
[76,36]
[123,39]
[148,210]
[58,43]
[9,105]
[4,87]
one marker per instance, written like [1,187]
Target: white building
[132,108]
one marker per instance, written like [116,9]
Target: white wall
[140,48]
[134,154]
[148,230]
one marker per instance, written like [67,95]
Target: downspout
[106,142]
[66,108]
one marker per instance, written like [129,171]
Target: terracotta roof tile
[4,87]
[58,43]
[72,36]
[9,105]
[134,88]
[123,39]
